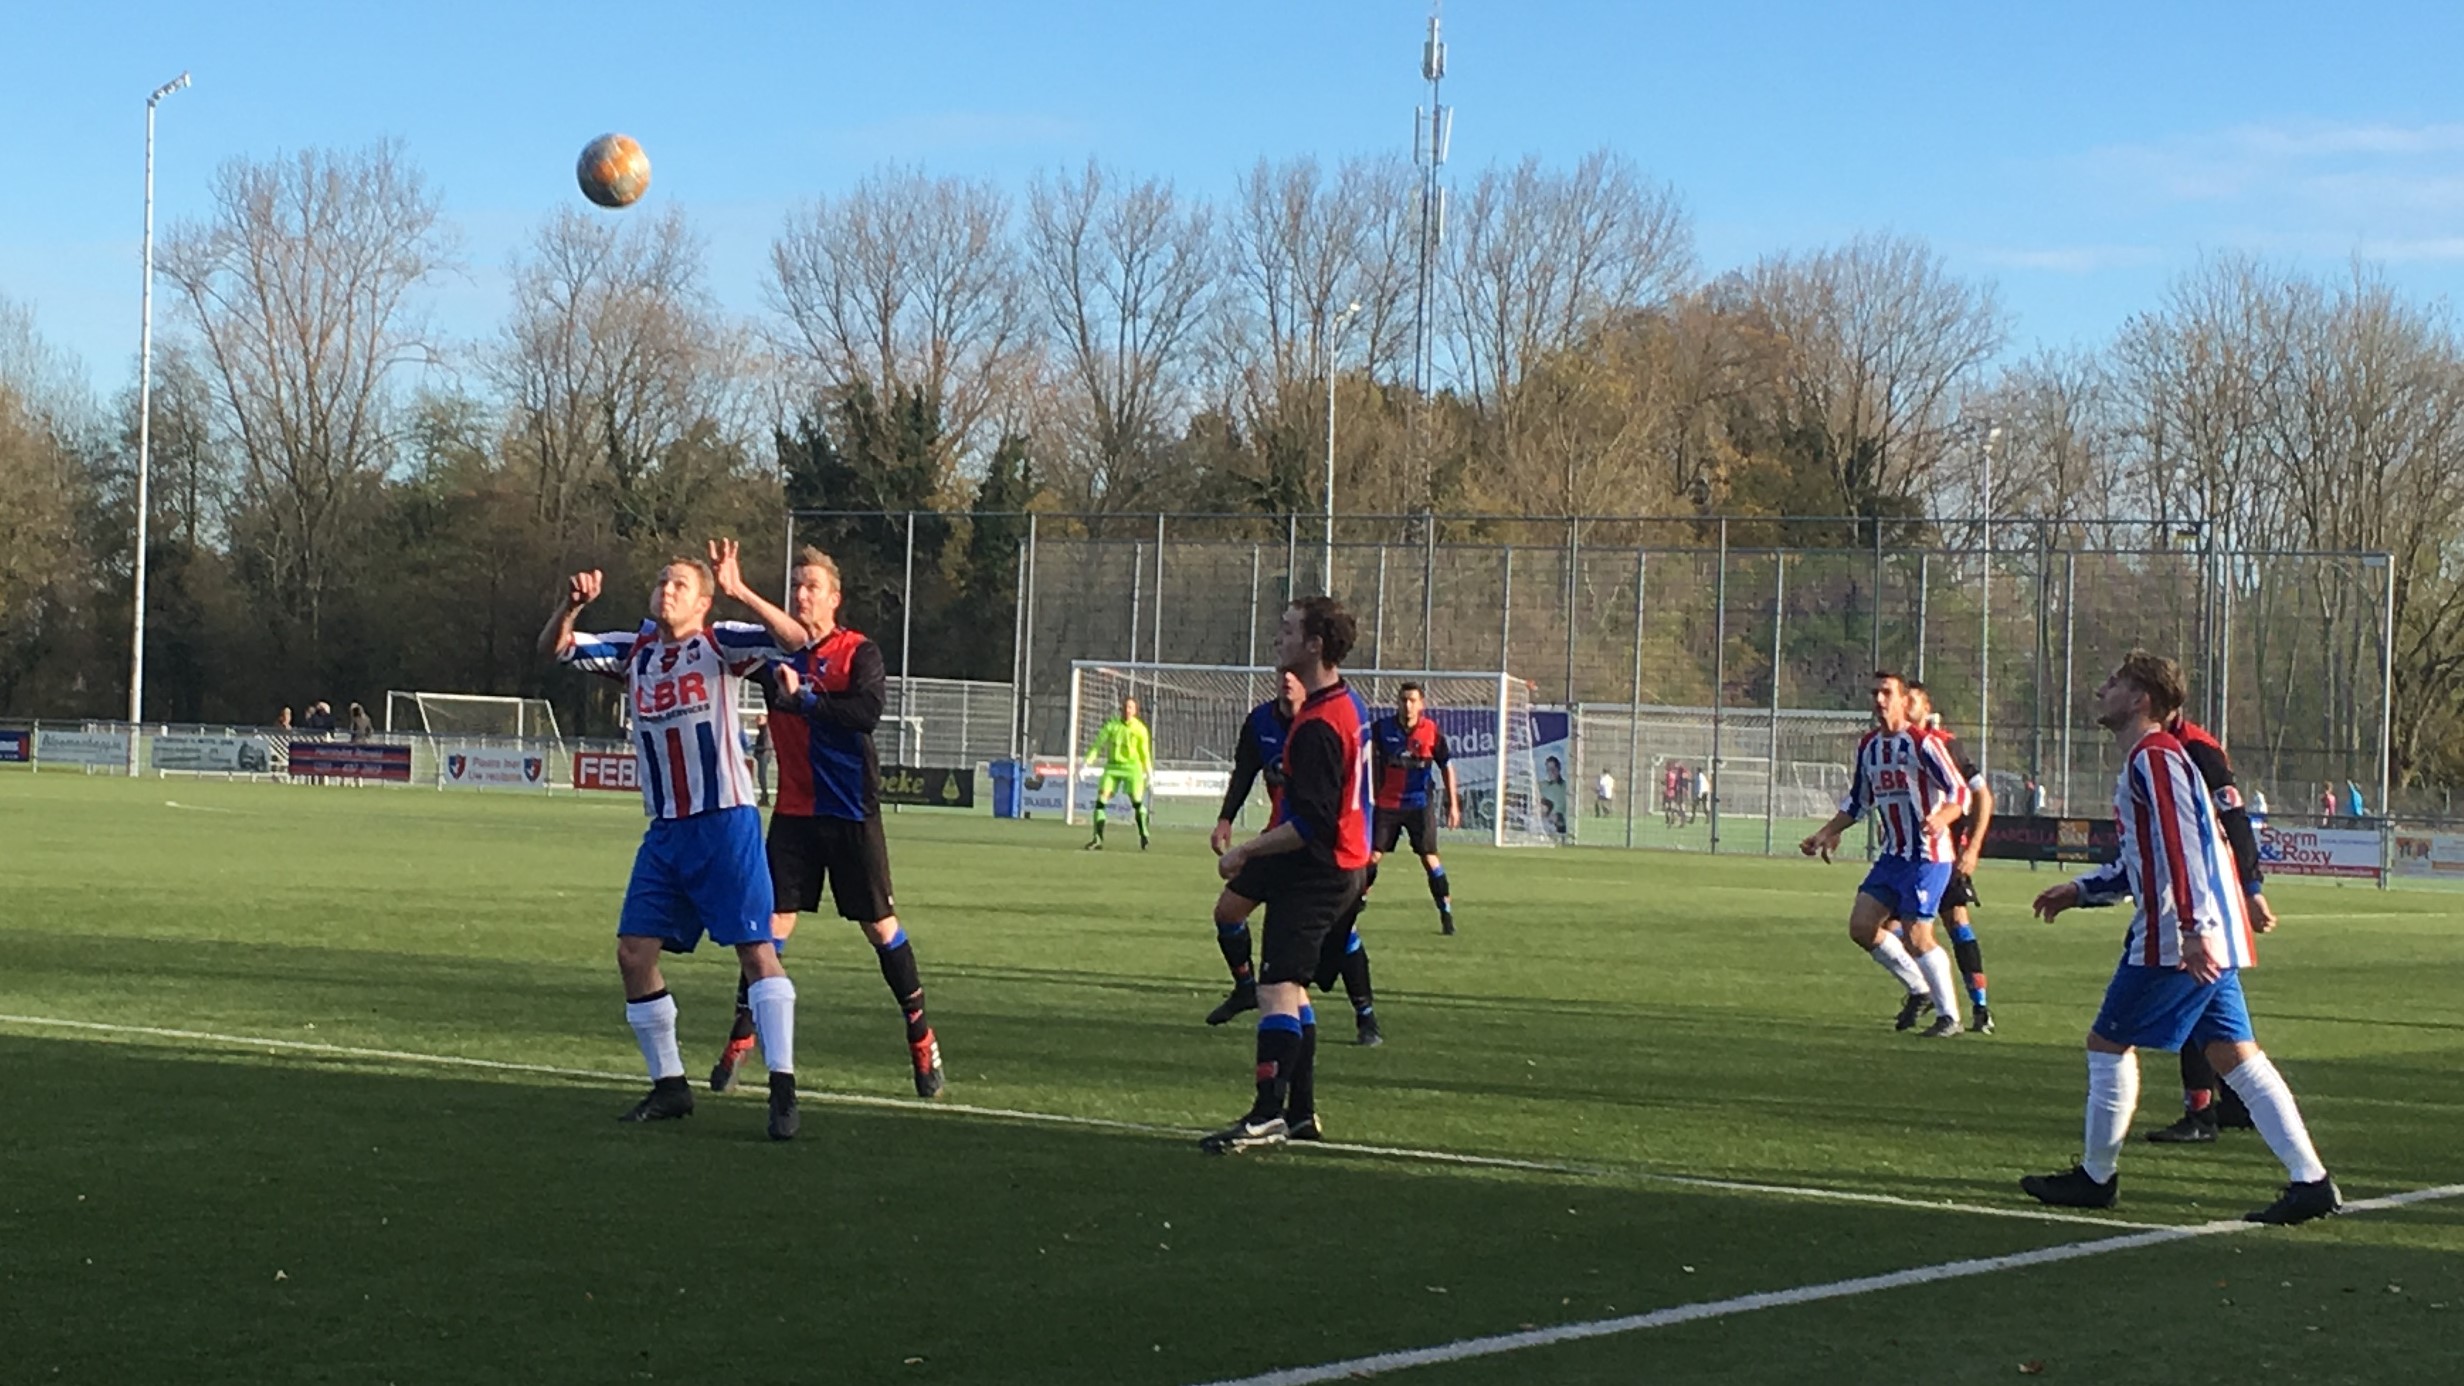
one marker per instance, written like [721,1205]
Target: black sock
[744,1011]
[2198,1075]
[1099,825]
[1971,957]
[1138,811]
[1300,1100]
[906,987]
[1279,1038]
[1356,978]
[1440,891]
[1233,940]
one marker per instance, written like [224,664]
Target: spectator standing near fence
[761,757]
[361,727]
[282,720]
[1603,794]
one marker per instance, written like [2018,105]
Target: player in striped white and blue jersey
[700,868]
[2180,974]
[1905,779]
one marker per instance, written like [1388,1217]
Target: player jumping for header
[700,868]
[828,822]
[1903,777]
[1127,752]
[1412,759]
[1307,867]
[2180,974]
[1259,754]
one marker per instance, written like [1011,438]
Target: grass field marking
[1499,1344]
[909,1104]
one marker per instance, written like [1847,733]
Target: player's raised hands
[582,589]
[726,565]
[2057,899]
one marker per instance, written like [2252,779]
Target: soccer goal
[1195,712]
[469,714]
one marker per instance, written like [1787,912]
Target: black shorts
[1418,824]
[1305,899]
[1961,892]
[852,855]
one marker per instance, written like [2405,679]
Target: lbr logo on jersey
[667,695]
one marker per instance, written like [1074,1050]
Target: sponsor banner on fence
[2350,852]
[350,760]
[80,748]
[16,747]
[1048,784]
[2424,854]
[2022,837]
[616,770]
[490,767]
[1471,739]
[228,755]
[929,787]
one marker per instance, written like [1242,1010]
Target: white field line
[1387,1152]
[1498,1344]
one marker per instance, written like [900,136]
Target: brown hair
[700,565]
[1892,676]
[2159,678]
[1324,620]
[810,557]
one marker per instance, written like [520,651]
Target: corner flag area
[314,1084]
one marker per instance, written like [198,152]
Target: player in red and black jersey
[1307,868]
[1413,763]
[2209,1104]
[827,826]
[1967,845]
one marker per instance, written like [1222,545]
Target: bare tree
[1540,255]
[2061,457]
[614,356]
[908,283]
[299,288]
[1878,342]
[1120,270]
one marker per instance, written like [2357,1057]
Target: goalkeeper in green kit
[1127,750]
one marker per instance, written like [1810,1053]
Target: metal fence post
[1026,647]
[1984,657]
[1377,626]
[1428,591]
[1155,647]
[906,646]
[1018,652]
[2036,704]
[2070,633]
[1874,606]
[1505,617]
[1634,702]
[1924,587]
[1291,558]
[2386,691]
[1137,595]
[1771,757]
[1574,557]
[1719,679]
[1251,643]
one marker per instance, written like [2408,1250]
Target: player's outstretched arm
[1825,839]
[1983,797]
[2056,899]
[1454,799]
[786,630]
[581,590]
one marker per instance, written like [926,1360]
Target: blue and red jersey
[823,737]
[1409,760]
[1326,777]
[1259,755]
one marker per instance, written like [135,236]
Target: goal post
[1195,712]
[470,714]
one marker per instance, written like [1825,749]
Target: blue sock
[1971,961]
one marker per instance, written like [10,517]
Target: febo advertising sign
[611,770]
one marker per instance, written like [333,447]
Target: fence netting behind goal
[469,714]
[1195,713]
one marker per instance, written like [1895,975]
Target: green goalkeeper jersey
[1124,746]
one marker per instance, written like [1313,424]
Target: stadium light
[145,429]
[1333,329]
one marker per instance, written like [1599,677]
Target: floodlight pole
[1342,320]
[145,428]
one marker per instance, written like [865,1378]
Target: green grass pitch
[207,1207]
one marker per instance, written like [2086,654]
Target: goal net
[469,714]
[1195,712]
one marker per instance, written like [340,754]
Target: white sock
[2113,1098]
[654,1028]
[2279,1121]
[1935,963]
[773,1000]
[1893,955]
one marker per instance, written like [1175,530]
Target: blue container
[1009,789]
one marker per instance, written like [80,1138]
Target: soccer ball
[613,171]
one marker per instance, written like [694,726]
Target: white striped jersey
[683,696]
[2174,863]
[1901,778]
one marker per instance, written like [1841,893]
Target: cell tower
[1432,132]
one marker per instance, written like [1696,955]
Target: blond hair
[811,557]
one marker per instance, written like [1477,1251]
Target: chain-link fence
[2012,624]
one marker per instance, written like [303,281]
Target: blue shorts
[703,874]
[2164,1008]
[1911,889]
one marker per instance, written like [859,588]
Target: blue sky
[2079,155]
